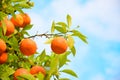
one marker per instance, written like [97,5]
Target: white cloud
[113,63]
[97,77]
[104,10]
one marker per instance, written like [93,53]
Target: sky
[99,20]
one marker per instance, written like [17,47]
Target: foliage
[53,63]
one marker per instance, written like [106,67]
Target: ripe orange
[17,20]
[19,72]
[9,27]
[3,57]
[37,69]
[59,45]
[28,47]
[2,46]
[26,19]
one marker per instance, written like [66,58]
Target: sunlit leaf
[70,41]
[4,27]
[53,27]
[63,24]
[69,20]
[40,76]
[28,27]
[26,76]
[79,35]
[70,72]
[63,59]
[64,79]
[48,41]
[73,50]
[60,29]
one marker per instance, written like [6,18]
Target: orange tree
[19,59]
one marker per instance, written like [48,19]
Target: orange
[19,72]
[28,47]
[59,45]
[37,69]
[2,46]
[3,57]
[9,27]
[26,19]
[17,20]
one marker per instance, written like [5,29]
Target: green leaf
[73,50]
[40,58]
[5,72]
[14,43]
[60,29]
[70,72]
[79,35]
[62,24]
[54,63]
[4,27]
[2,15]
[69,20]
[70,41]
[28,27]
[26,76]
[53,27]
[63,59]
[42,55]
[1,33]
[40,76]
[64,79]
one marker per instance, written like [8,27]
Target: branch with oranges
[19,58]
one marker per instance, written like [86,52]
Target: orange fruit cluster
[27,46]
[33,71]
[21,20]
[3,54]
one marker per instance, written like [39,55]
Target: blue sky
[99,20]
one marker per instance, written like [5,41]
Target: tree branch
[47,35]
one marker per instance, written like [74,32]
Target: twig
[47,35]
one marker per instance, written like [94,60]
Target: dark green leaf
[70,72]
